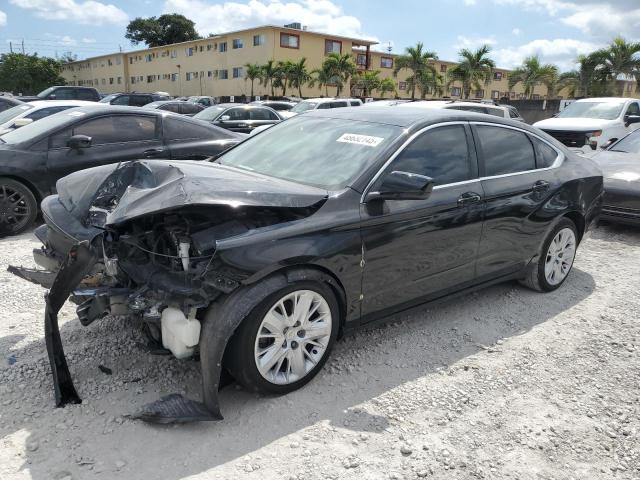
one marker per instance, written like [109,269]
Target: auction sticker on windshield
[357,139]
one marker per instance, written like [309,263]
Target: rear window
[505,150]
[179,129]
[546,156]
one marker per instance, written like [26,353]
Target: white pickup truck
[593,122]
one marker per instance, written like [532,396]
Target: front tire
[286,339]
[556,258]
[18,207]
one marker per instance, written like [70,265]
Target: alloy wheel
[560,255]
[293,337]
[15,210]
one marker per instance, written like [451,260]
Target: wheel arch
[578,220]
[36,193]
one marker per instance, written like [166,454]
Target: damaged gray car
[256,262]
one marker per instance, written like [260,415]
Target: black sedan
[176,106]
[239,117]
[318,225]
[620,164]
[34,157]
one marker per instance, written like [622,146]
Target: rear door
[261,116]
[140,100]
[517,178]
[191,140]
[115,138]
[238,120]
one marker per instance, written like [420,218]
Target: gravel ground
[504,383]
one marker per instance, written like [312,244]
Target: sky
[556,30]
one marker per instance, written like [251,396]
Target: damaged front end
[140,239]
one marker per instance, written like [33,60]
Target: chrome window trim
[557,163]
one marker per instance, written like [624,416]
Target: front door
[415,250]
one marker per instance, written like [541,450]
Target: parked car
[620,164]
[277,105]
[593,122]
[28,112]
[318,225]
[504,111]
[7,102]
[202,100]
[133,99]
[322,104]
[67,92]
[176,106]
[239,117]
[34,157]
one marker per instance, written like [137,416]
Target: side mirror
[79,141]
[403,186]
[225,118]
[21,122]
[629,119]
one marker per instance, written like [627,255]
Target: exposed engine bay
[143,242]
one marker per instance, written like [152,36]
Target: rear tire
[286,339]
[555,260]
[18,207]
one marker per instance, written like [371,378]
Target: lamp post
[179,82]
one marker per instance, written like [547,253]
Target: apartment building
[215,65]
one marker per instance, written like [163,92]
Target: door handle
[468,198]
[152,152]
[541,186]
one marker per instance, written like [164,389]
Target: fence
[534,110]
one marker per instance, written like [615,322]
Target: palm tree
[531,73]
[474,69]
[283,75]
[367,81]
[322,78]
[589,78]
[622,59]
[269,75]
[299,75]
[253,72]
[387,85]
[416,60]
[341,67]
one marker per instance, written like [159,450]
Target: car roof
[53,103]
[329,99]
[607,99]
[162,102]
[447,104]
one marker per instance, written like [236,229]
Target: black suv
[133,99]
[64,93]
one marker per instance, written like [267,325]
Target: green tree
[28,74]
[340,67]
[367,81]
[531,73]
[299,75]
[427,81]
[162,30]
[474,69]
[269,75]
[253,72]
[387,85]
[322,78]
[415,60]
[621,59]
[283,75]
[590,78]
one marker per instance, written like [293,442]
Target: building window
[495,94]
[497,75]
[210,74]
[119,80]
[237,43]
[148,57]
[201,48]
[222,47]
[332,46]
[209,46]
[443,68]
[110,80]
[109,62]
[191,75]
[189,51]
[237,72]
[174,53]
[512,95]
[386,62]
[289,40]
[402,85]
[479,93]
[174,77]
[223,74]
[361,59]
[133,80]
[258,40]
[130,60]
[455,92]
[536,97]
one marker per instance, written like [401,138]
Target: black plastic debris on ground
[174,408]
[105,370]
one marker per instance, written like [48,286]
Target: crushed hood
[113,194]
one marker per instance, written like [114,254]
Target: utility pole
[23,46]
[11,47]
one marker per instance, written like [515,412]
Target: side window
[178,129]
[121,100]
[633,109]
[191,108]
[45,112]
[440,153]
[59,140]
[355,104]
[513,112]
[118,128]
[324,106]
[171,107]
[86,95]
[64,94]
[505,150]
[545,155]
[237,114]
[338,104]
[139,100]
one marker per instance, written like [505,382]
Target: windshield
[13,112]
[629,144]
[45,92]
[323,152]
[210,113]
[108,98]
[304,106]
[35,129]
[600,110]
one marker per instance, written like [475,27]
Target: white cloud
[3,18]
[320,15]
[516,31]
[87,12]
[560,51]
[470,2]
[88,40]
[473,42]
[64,40]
